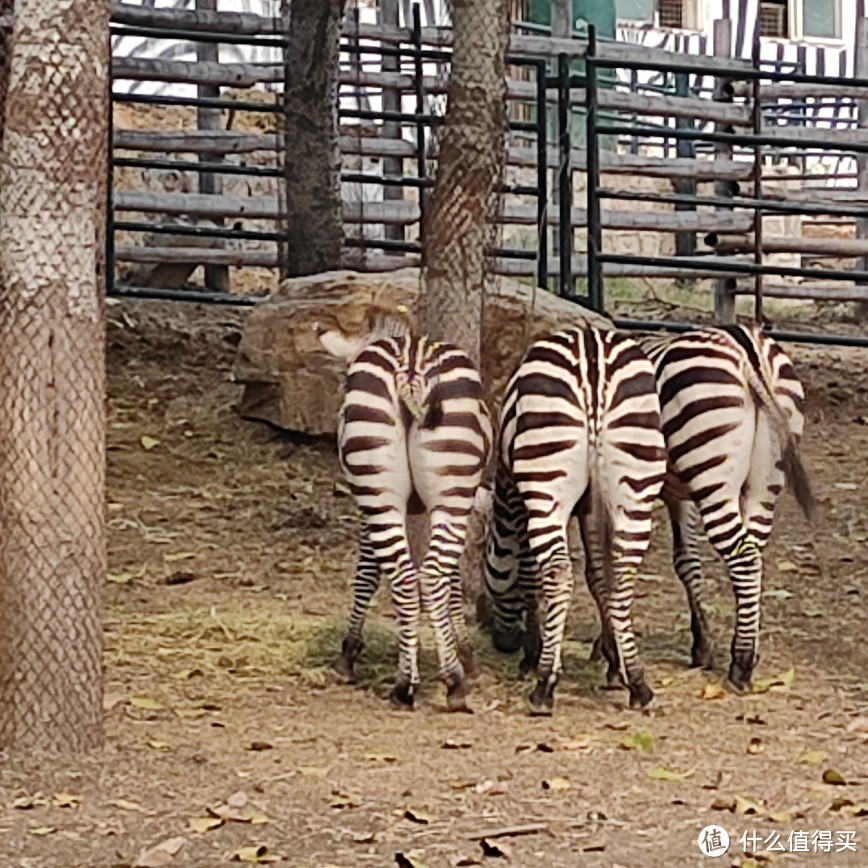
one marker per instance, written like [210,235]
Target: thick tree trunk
[52,385]
[314,215]
[7,7]
[469,166]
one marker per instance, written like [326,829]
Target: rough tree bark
[468,169]
[52,386]
[7,7]
[314,214]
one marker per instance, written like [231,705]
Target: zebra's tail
[602,516]
[795,474]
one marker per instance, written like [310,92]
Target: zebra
[414,435]
[732,419]
[731,408]
[579,434]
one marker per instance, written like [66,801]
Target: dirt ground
[231,552]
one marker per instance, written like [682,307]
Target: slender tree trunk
[313,191]
[457,222]
[52,383]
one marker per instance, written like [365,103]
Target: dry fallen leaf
[777,682]
[663,774]
[830,776]
[255,854]
[420,817]
[712,690]
[639,740]
[148,442]
[145,703]
[500,850]
[380,757]
[174,557]
[204,824]
[812,757]
[410,859]
[41,831]
[748,806]
[754,746]
[159,744]
[556,785]
[26,803]
[65,800]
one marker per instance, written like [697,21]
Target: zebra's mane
[388,323]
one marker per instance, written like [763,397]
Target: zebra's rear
[580,431]
[414,433]
[731,411]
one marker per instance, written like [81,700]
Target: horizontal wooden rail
[406,213]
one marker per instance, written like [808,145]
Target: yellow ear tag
[402,308]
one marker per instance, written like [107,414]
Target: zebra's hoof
[401,697]
[701,657]
[457,691]
[640,695]
[342,670]
[740,688]
[741,672]
[456,699]
[541,700]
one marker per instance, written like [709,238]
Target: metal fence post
[724,300]
[595,230]
[685,242]
[542,176]
[565,180]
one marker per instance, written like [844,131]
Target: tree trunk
[313,190]
[7,7]
[457,221]
[53,177]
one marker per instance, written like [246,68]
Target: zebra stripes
[731,412]
[413,434]
[579,432]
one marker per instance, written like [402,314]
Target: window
[775,18]
[670,14]
[821,18]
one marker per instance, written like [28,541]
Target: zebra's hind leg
[404,585]
[619,606]
[436,580]
[685,520]
[364,587]
[557,589]
[744,561]
[531,638]
[604,647]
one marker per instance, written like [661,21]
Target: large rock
[292,382]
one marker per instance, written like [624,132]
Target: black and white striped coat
[580,432]
[732,419]
[731,407]
[414,433]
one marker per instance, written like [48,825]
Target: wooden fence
[385,232]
